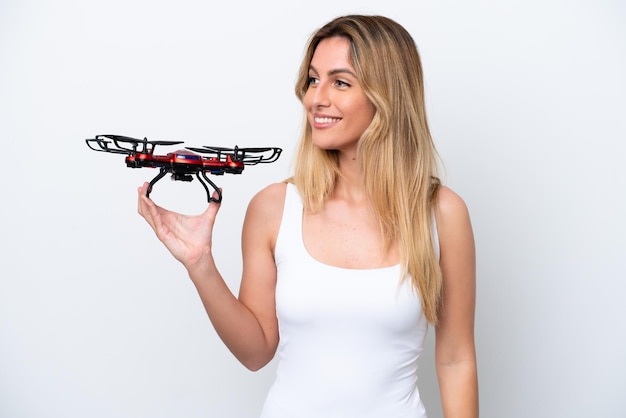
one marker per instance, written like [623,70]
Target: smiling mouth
[326,120]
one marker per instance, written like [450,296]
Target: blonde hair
[396,153]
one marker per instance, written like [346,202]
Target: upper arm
[455,331]
[258,284]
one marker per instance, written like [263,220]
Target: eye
[312,81]
[340,83]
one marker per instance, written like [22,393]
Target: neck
[349,185]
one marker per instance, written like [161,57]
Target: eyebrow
[336,71]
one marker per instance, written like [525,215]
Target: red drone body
[186,158]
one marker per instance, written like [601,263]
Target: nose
[319,95]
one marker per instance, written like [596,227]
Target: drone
[183,164]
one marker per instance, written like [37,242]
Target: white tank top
[349,338]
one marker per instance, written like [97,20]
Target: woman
[347,263]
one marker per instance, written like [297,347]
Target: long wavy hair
[396,154]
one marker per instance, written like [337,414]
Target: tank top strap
[289,240]
[292,212]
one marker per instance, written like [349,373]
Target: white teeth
[326,120]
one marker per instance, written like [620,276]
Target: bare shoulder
[453,219]
[269,200]
[450,204]
[450,209]
[265,210]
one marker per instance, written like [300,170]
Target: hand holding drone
[184,163]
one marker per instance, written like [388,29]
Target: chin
[324,144]
[332,145]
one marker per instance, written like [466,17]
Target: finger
[141,193]
[143,188]
[213,207]
[151,213]
[148,209]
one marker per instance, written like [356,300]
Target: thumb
[214,206]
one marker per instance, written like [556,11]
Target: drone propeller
[236,151]
[206,151]
[127,139]
[147,145]
[263,149]
[119,138]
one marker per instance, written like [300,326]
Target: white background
[527,103]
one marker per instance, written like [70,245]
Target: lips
[321,122]
[325,120]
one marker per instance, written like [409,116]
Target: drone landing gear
[187,177]
[210,198]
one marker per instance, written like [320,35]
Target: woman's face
[336,105]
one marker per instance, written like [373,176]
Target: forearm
[235,324]
[458,385]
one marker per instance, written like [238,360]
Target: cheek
[368,112]
[307,100]
[371,109]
